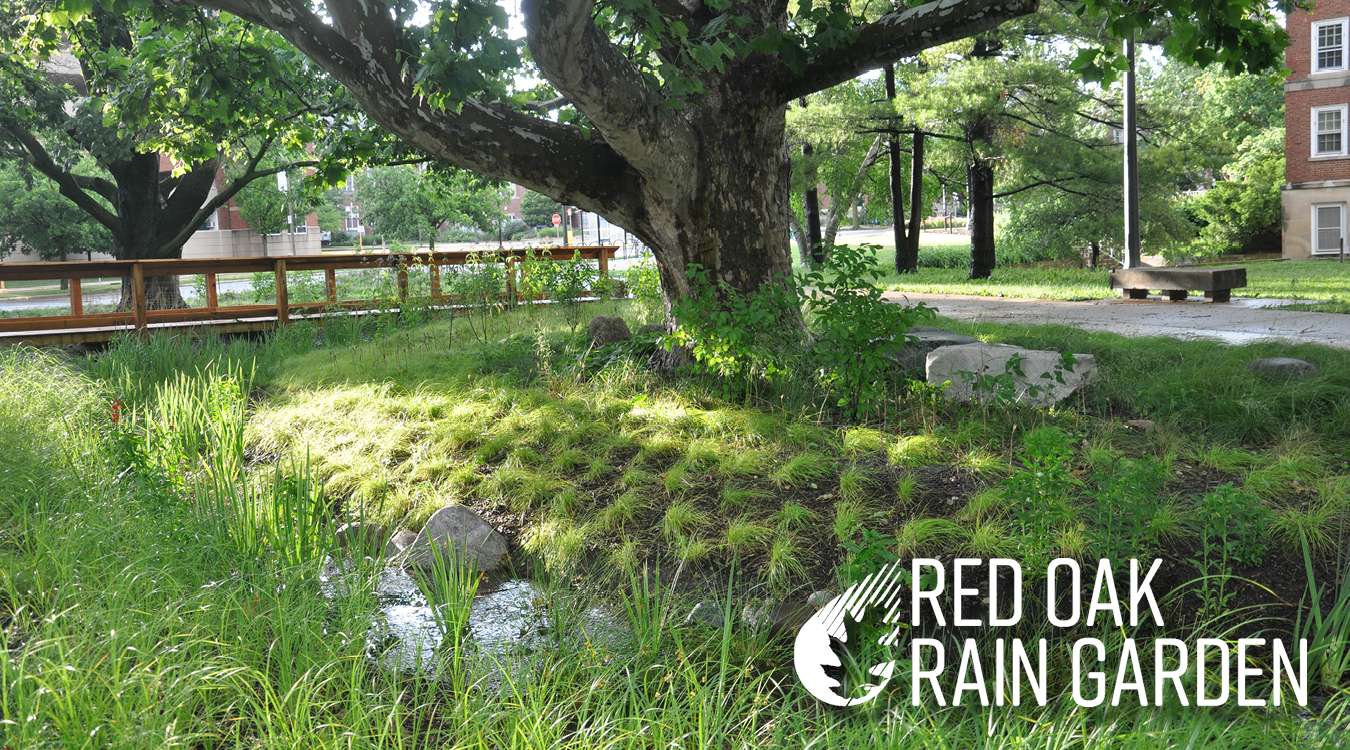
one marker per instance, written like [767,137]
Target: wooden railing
[79,326]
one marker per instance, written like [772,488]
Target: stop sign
[557,220]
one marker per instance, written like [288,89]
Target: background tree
[537,209]
[408,204]
[264,206]
[35,217]
[672,120]
[119,90]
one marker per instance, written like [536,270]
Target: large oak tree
[675,109]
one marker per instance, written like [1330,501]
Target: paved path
[1238,322]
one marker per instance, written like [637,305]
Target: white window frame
[1316,229]
[1313,150]
[1317,26]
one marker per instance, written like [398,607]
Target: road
[1241,321]
[110,296]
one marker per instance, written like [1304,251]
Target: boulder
[776,617]
[1282,367]
[460,534]
[399,541]
[993,372]
[912,354]
[656,328]
[607,329]
[819,599]
[706,612]
[361,537]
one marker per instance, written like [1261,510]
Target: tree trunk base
[161,293]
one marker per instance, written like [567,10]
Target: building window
[1328,134]
[209,224]
[1329,45]
[1328,227]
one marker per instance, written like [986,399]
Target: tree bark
[916,168]
[903,263]
[980,185]
[811,207]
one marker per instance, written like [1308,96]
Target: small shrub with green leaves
[1125,505]
[644,283]
[1039,492]
[1238,521]
[849,315]
[737,337]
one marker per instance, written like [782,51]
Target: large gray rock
[1282,367]
[460,534]
[706,612]
[776,617]
[992,372]
[607,329]
[361,538]
[399,541]
[912,355]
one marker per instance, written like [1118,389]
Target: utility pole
[1131,161]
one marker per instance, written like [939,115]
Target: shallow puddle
[507,624]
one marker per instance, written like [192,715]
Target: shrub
[849,318]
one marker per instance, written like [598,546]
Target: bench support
[1177,295]
[1219,295]
[1134,293]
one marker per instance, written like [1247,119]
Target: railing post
[138,296]
[76,297]
[402,279]
[330,282]
[435,279]
[283,296]
[212,300]
[511,280]
[604,261]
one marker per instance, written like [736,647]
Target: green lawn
[1321,280]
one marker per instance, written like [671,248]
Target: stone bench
[1216,283]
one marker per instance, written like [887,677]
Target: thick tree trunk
[916,166]
[161,293]
[980,184]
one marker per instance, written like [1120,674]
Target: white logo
[816,641]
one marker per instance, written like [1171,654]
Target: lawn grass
[1319,280]
[159,569]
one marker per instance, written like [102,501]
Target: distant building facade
[1317,144]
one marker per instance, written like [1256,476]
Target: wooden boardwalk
[80,327]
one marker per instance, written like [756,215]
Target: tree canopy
[35,217]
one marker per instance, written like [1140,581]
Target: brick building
[1316,145]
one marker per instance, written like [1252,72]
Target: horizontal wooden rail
[81,326]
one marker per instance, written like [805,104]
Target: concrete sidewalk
[1241,321]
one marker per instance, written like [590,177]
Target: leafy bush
[849,317]
[1040,492]
[644,282]
[738,337]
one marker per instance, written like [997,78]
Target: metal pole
[1131,162]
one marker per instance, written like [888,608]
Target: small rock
[706,612]
[361,537]
[819,599]
[607,329]
[399,541]
[460,532]
[1143,425]
[1282,367]
[911,354]
[986,372]
[776,617]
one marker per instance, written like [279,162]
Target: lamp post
[1131,161]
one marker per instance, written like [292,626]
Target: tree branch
[603,84]
[551,158]
[65,181]
[901,33]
